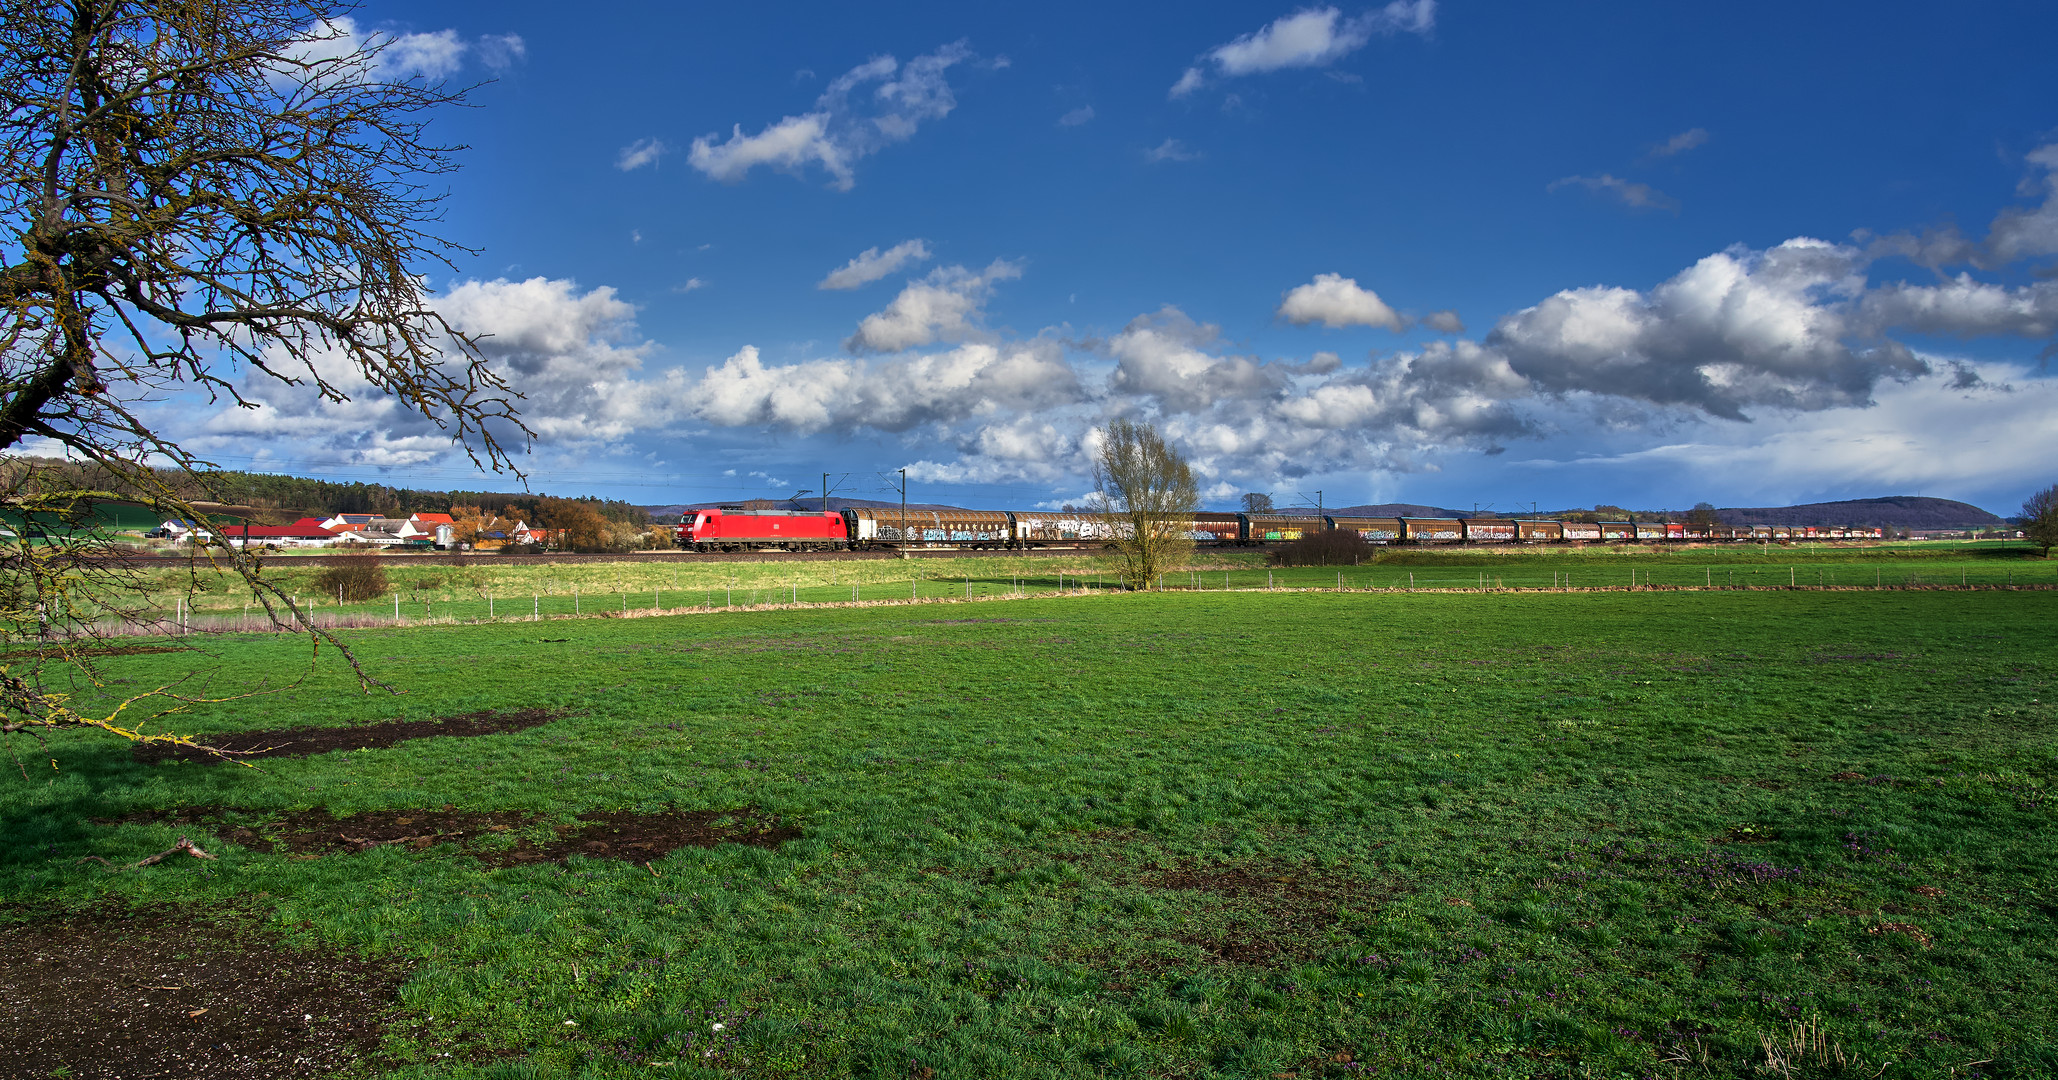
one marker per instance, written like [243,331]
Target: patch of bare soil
[1271,915]
[115,994]
[496,838]
[308,741]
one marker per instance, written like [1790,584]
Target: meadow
[484,589]
[1200,833]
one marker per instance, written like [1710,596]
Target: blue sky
[1450,253]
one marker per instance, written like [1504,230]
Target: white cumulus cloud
[573,356]
[872,264]
[947,305]
[1934,433]
[1737,330]
[1314,37]
[433,55]
[1680,143]
[640,153]
[1334,300]
[845,124]
[501,51]
[977,379]
[1444,322]
[2017,232]
[1170,150]
[1963,307]
[339,51]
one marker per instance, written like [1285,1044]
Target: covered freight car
[884,527]
[1214,528]
[1038,528]
[1581,531]
[1540,532]
[1370,530]
[1432,531]
[757,530]
[1275,528]
[1618,530]
[1490,531]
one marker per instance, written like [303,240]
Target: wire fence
[201,613]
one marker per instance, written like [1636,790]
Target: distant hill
[1382,510]
[1900,511]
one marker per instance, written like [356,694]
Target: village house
[307,532]
[439,526]
[368,530]
[500,532]
[382,534]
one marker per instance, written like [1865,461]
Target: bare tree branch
[204,196]
[185,845]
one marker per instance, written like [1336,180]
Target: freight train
[865,528]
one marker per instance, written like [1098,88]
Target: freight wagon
[1370,530]
[869,527]
[1541,532]
[1433,530]
[1489,531]
[1215,529]
[1274,528]
[756,530]
[1059,528]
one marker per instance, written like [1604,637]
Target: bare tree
[204,195]
[1144,491]
[1702,514]
[1257,502]
[2040,519]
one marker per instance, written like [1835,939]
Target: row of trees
[571,524]
[293,496]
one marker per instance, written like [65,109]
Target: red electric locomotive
[758,530]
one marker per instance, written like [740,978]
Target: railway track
[443,558]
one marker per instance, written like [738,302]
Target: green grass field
[1197,834]
[485,589]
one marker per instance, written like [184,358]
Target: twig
[184,845]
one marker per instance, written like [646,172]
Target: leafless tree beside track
[1145,491]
